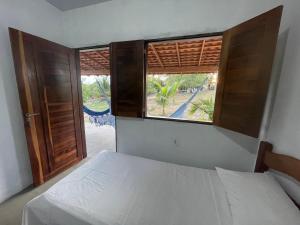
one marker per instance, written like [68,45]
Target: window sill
[177,120]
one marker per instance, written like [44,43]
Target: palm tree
[104,88]
[151,84]
[164,92]
[204,105]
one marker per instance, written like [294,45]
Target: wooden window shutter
[127,78]
[245,69]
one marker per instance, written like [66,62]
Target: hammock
[100,118]
[181,109]
[95,113]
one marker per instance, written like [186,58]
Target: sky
[89,79]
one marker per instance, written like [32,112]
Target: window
[244,55]
[181,78]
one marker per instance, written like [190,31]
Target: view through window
[182,78]
[96,95]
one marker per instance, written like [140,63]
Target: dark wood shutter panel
[127,78]
[245,69]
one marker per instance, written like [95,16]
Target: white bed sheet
[118,189]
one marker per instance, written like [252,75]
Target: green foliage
[185,81]
[151,89]
[96,95]
[166,86]
[90,91]
[188,80]
[204,105]
[104,88]
[164,92]
[97,105]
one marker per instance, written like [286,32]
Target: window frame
[147,41]
[173,38]
[272,21]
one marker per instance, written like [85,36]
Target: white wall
[36,17]
[135,19]
[119,20]
[284,130]
[195,145]
[198,145]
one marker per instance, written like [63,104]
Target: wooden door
[49,90]
[245,71]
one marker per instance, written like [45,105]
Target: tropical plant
[164,92]
[151,80]
[104,88]
[90,91]
[188,80]
[204,105]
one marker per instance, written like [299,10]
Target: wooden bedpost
[260,166]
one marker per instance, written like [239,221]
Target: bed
[114,188]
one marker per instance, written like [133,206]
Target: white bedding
[118,189]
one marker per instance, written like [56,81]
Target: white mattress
[118,189]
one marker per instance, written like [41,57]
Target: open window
[181,78]
[240,60]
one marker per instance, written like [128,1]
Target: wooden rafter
[175,56]
[157,56]
[95,61]
[94,72]
[178,54]
[201,53]
[102,56]
[87,65]
[183,69]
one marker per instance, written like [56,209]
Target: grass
[154,109]
[200,116]
[96,105]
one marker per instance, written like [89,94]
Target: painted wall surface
[202,146]
[36,17]
[118,20]
[121,20]
[284,129]
[196,145]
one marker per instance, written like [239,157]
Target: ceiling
[73,4]
[201,55]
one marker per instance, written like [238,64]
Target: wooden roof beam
[183,69]
[86,65]
[93,60]
[178,54]
[201,53]
[157,56]
[95,72]
[102,56]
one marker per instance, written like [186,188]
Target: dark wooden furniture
[282,163]
[244,74]
[267,159]
[49,90]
